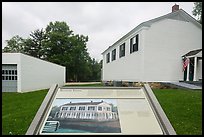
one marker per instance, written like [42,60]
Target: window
[134,43]
[108,108]
[65,108]
[91,108]
[9,75]
[113,54]
[122,50]
[108,58]
[88,115]
[81,108]
[72,108]
[100,108]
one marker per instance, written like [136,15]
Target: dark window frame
[72,108]
[134,44]
[9,74]
[113,57]
[82,108]
[108,58]
[99,108]
[122,50]
[91,108]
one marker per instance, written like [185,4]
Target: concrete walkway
[186,85]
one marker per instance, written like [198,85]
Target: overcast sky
[103,22]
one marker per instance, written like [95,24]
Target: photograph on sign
[83,116]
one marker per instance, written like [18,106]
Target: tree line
[58,44]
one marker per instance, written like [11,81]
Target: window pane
[6,71]
[2,71]
[114,54]
[15,77]
[2,77]
[108,58]
[15,72]
[122,50]
[6,78]
[134,43]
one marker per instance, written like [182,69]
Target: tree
[15,44]
[65,48]
[96,70]
[197,10]
[35,48]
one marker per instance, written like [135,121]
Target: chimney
[175,8]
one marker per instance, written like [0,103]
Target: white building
[22,73]
[153,51]
[99,111]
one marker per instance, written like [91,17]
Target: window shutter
[131,45]
[137,41]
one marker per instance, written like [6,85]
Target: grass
[19,109]
[183,108]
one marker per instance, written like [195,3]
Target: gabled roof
[177,15]
[193,52]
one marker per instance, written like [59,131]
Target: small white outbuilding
[23,73]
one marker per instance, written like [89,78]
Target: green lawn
[18,110]
[182,107]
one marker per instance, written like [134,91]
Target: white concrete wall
[39,74]
[165,43]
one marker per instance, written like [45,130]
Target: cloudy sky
[103,22]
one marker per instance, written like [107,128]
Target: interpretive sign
[105,110]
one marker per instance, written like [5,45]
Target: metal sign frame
[35,126]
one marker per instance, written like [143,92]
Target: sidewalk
[186,85]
